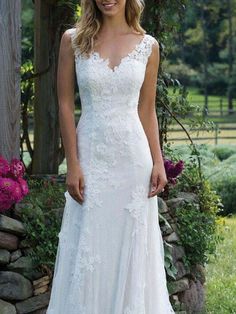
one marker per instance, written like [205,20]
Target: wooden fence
[222,127]
[216,107]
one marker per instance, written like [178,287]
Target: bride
[110,256]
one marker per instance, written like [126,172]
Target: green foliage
[41,222]
[226,187]
[217,176]
[172,104]
[218,78]
[169,264]
[204,34]
[182,71]
[170,268]
[190,180]
[27,86]
[27,30]
[194,36]
[224,151]
[197,222]
[223,180]
[209,200]
[197,232]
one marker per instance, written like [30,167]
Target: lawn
[225,123]
[221,273]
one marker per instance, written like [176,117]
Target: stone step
[14,286]
[11,225]
[4,256]
[7,308]
[34,303]
[8,241]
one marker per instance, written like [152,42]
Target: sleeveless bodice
[102,88]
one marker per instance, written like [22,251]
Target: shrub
[197,232]
[223,179]
[42,224]
[224,151]
[183,72]
[197,222]
[217,79]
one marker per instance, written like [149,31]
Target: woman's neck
[114,25]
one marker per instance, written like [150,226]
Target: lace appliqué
[138,209]
[141,53]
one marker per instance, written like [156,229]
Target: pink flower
[17,193]
[17,168]
[12,186]
[24,186]
[7,185]
[173,170]
[4,167]
[5,201]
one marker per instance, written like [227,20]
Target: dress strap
[144,49]
[72,33]
[147,46]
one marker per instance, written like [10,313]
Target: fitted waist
[109,107]
[109,120]
[109,113]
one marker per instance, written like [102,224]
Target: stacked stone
[22,288]
[187,290]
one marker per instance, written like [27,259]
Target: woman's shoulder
[71,31]
[151,39]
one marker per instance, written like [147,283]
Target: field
[225,124]
[221,273]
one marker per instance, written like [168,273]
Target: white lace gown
[110,256]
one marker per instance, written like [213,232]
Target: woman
[110,257]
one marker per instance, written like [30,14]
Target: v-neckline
[107,60]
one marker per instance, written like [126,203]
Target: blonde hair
[91,19]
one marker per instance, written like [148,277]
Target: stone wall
[187,291]
[25,290]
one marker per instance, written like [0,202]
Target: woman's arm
[148,118]
[65,91]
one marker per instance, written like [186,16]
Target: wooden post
[216,133]
[10,60]
[46,124]
[221,106]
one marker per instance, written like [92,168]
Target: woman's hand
[75,183]
[158,180]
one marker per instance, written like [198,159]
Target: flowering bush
[173,170]
[12,185]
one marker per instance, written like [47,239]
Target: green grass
[225,120]
[214,100]
[195,97]
[221,273]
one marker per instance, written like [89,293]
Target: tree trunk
[10,60]
[205,65]
[230,58]
[51,19]
[46,125]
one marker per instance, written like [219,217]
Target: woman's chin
[110,11]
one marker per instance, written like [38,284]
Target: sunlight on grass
[221,273]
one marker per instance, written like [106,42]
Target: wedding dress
[110,256]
